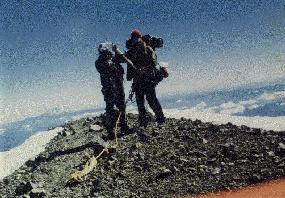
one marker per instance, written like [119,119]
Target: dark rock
[256,178]
[271,154]
[256,131]
[245,128]
[229,151]
[164,173]
[281,149]
[213,128]
[23,188]
[143,137]
[216,171]
[64,133]
[97,187]
[198,153]
[197,122]
[6,181]
[37,193]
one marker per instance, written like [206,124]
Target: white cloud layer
[209,115]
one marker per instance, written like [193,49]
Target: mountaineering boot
[110,135]
[143,121]
[123,123]
[124,128]
[160,119]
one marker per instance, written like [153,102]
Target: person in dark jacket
[144,80]
[111,74]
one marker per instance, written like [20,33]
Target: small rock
[95,127]
[245,128]
[192,169]
[174,169]
[216,171]
[138,145]
[203,167]
[271,153]
[143,137]
[197,122]
[88,119]
[243,161]
[63,133]
[23,188]
[229,124]
[229,150]
[18,176]
[138,168]
[183,160]
[164,173]
[205,141]
[6,181]
[37,193]
[281,146]
[256,131]
[256,178]
[281,150]
[211,160]
[281,165]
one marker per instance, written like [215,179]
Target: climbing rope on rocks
[88,167]
[92,162]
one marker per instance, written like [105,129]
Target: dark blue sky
[46,31]
[49,47]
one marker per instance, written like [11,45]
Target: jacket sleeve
[153,57]
[130,69]
[119,58]
[100,67]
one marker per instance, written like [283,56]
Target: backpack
[152,41]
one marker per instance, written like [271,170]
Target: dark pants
[153,102]
[114,96]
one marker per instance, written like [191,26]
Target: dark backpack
[152,41]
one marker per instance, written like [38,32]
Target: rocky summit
[181,157]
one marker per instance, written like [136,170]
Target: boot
[124,128]
[110,135]
[143,121]
[160,119]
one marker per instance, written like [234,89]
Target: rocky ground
[181,157]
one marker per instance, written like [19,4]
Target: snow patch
[13,159]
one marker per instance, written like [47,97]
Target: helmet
[136,34]
[104,49]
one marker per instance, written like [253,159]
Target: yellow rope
[92,162]
[116,127]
